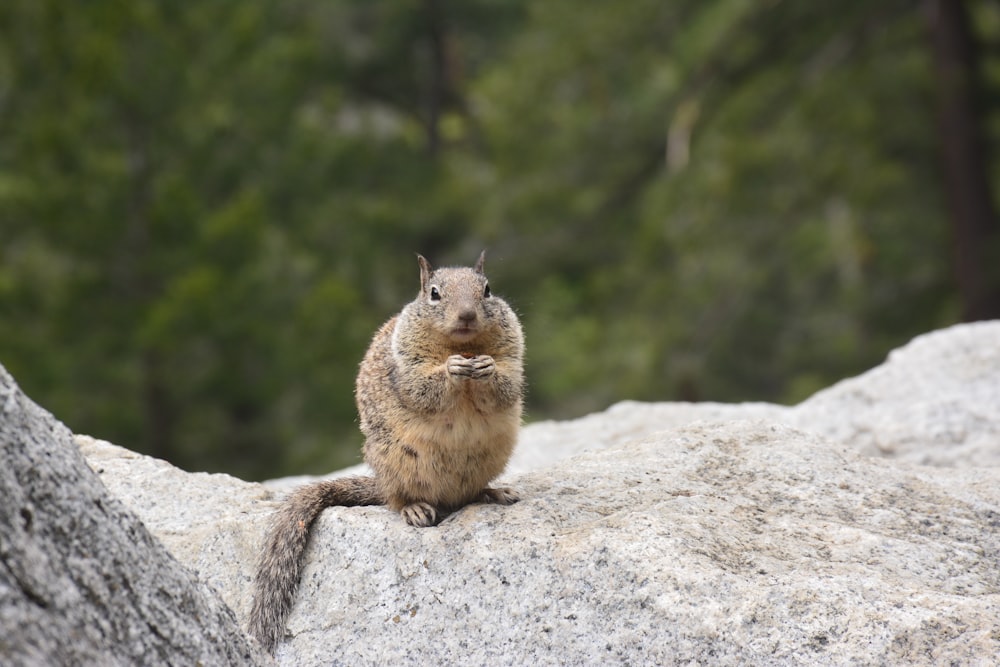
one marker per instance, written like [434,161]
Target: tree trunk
[975,229]
[440,84]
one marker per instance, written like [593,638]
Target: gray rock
[935,401]
[82,581]
[659,533]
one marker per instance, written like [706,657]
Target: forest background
[207,208]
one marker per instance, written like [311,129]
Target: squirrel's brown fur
[439,393]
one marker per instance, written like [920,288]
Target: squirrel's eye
[486,292]
[435,293]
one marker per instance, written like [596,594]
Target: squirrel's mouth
[464,333]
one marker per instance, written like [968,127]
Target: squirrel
[439,394]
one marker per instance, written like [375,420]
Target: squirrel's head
[457,301]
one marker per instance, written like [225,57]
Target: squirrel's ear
[479,262]
[425,272]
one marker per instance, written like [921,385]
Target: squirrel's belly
[449,459]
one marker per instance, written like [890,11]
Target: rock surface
[666,533]
[82,581]
[935,401]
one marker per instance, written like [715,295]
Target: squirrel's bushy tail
[281,560]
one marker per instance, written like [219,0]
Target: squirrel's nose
[468,315]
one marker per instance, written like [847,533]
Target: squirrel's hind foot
[421,515]
[502,496]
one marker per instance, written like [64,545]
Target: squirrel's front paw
[477,367]
[458,365]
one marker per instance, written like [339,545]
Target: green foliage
[206,209]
